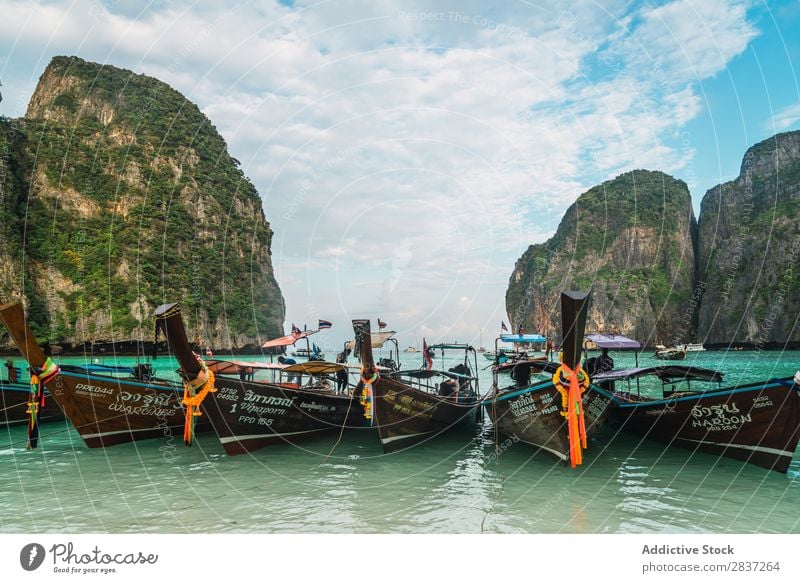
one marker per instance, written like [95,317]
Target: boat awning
[523,338]
[287,340]
[612,341]
[237,366]
[426,373]
[378,339]
[315,367]
[96,368]
[666,374]
[107,368]
[451,346]
[536,365]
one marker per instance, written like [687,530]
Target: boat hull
[14,406]
[406,416]
[758,423]
[107,411]
[533,415]
[248,416]
[670,355]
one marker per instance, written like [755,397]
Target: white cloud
[783,119]
[406,155]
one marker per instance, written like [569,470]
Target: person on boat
[341,375]
[288,361]
[448,388]
[12,371]
[521,373]
[604,362]
[341,380]
[548,349]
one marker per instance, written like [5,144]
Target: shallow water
[454,483]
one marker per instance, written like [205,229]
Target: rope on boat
[3,410]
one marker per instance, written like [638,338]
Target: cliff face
[123,196]
[631,240]
[749,242]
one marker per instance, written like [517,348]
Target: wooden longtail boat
[556,415]
[105,410]
[250,414]
[409,407]
[757,423]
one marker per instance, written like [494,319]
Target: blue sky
[408,152]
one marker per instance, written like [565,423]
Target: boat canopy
[666,374]
[96,368]
[451,346]
[287,340]
[378,339]
[523,338]
[613,341]
[536,365]
[236,366]
[426,373]
[315,367]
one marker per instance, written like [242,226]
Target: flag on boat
[381,324]
[295,329]
[503,327]
[427,361]
[539,328]
[324,324]
[520,330]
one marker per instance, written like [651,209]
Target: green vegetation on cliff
[631,240]
[749,248]
[129,199]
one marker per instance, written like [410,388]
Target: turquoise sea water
[456,483]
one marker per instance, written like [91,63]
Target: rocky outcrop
[127,197]
[749,248]
[631,240]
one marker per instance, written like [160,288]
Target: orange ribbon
[193,400]
[367,396]
[572,383]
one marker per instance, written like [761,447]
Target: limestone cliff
[631,240]
[749,247]
[119,194]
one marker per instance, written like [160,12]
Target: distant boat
[306,353]
[692,347]
[412,349]
[673,353]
